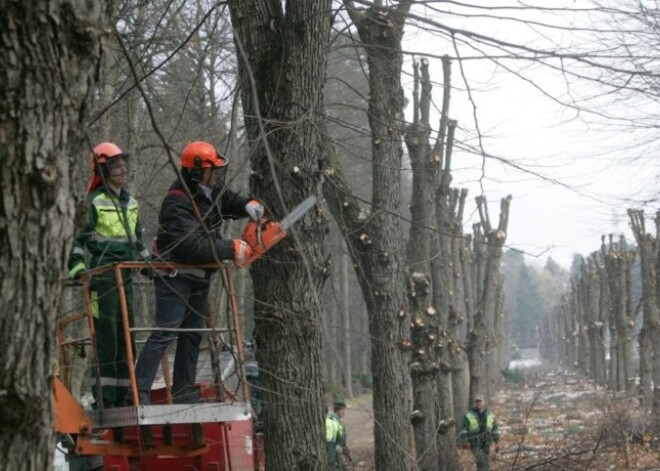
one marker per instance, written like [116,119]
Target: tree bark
[458,328]
[282,60]
[649,336]
[481,339]
[376,241]
[49,54]
[425,325]
[346,326]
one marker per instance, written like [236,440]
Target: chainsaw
[262,235]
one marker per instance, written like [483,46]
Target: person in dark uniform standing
[189,233]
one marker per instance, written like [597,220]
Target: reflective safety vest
[114,223]
[334,429]
[112,233]
[473,421]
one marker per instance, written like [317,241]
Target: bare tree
[617,260]
[488,248]
[282,61]
[376,239]
[425,325]
[649,339]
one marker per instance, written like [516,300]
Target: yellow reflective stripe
[473,422]
[110,224]
[490,420]
[78,267]
[333,429]
[94,303]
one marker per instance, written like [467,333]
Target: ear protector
[197,172]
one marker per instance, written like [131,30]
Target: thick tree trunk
[646,244]
[376,243]
[49,53]
[595,319]
[458,327]
[617,260]
[424,331]
[282,60]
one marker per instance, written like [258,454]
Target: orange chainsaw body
[262,236]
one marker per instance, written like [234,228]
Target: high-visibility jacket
[334,429]
[471,426]
[112,233]
[335,437]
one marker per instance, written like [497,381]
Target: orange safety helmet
[199,154]
[100,155]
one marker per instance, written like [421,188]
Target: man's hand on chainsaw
[242,253]
[255,210]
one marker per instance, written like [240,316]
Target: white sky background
[522,126]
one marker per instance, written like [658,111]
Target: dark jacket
[183,238]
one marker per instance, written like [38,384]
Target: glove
[76,271]
[242,252]
[465,445]
[255,210]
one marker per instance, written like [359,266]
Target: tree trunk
[458,328]
[481,341]
[346,325]
[282,60]
[424,331]
[617,260]
[647,253]
[376,242]
[49,53]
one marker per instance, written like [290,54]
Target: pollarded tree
[617,260]
[649,341]
[47,63]
[482,338]
[282,61]
[375,237]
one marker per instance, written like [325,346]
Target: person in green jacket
[478,431]
[111,234]
[335,438]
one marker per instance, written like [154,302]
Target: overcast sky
[589,179]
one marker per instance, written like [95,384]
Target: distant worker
[112,233]
[478,431]
[182,294]
[336,447]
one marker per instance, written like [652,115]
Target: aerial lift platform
[214,434]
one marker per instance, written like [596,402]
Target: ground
[549,419]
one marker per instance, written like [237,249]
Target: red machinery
[216,434]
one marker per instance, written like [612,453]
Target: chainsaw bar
[298,212]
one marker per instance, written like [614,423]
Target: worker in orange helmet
[112,233]
[188,233]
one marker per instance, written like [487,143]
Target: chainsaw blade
[298,212]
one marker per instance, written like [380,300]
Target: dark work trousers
[112,373]
[481,451]
[180,303]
